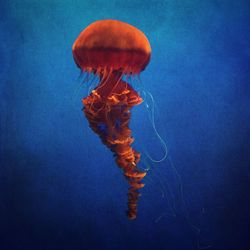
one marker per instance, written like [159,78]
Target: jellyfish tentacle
[105,78]
[152,120]
[112,126]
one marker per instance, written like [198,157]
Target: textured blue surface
[59,186]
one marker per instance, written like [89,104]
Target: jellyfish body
[111,49]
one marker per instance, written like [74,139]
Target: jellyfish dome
[112,45]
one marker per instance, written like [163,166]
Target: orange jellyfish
[111,49]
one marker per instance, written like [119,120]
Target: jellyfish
[112,49]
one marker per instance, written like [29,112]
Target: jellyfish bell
[111,45]
[110,49]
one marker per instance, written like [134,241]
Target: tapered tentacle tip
[131,215]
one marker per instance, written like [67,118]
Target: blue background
[59,186]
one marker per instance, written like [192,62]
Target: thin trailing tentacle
[152,120]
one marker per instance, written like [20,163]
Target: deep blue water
[59,186]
